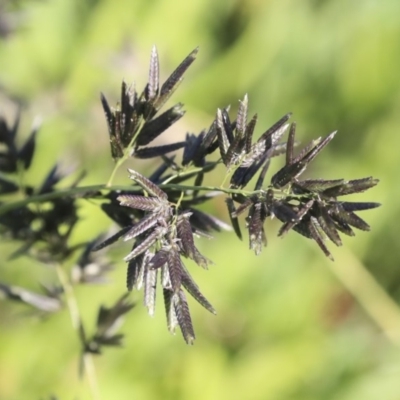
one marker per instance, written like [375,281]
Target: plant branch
[182,174]
[127,154]
[76,322]
[85,191]
[115,169]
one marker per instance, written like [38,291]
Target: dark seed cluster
[163,222]
[134,122]
[160,214]
[108,321]
[162,236]
[43,231]
[309,207]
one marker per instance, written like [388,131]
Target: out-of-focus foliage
[286,326]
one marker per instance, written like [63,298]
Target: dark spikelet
[165,281]
[348,217]
[150,286]
[7,186]
[109,115]
[261,177]
[134,271]
[153,85]
[358,206]
[303,227]
[206,222]
[8,135]
[234,151]
[266,136]
[284,212]
[238,178]
[243,207]
[248,134]
[128,115]
[147,185]
[139,202]
[258,151]
[25,154]
[159,172]
[143,245]
[146,223]
[342,226]
[155,127]
[174,269]
[287,174]
[156,151]
[114,129]
[192,288]
[241,120]
[315,185]
[315,231]
[164,278]
[177,75]
[317,149]
[256,231]
[305,150]
[112,239]
[291,172]
[213,147]
[192,146]
[208,144]
[39,301]
[353,186]
[223,141]
[287,226]
[172,321]
[279,148]
[170,85]
[52,178]
[183,316]
[228,125]
[185,235]
[200,259]
[159,259]
[107,322]
[145,257]
[243,175]
[118,214]
[328,225]
[290,144]
[8,157]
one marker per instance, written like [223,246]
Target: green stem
[181,174]
[85,191]
[127,154]
[115,169]
[363,286]
[75,316]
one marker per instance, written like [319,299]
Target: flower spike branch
[160,214]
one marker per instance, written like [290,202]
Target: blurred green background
[291,325]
